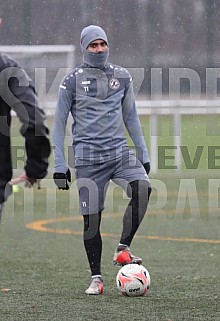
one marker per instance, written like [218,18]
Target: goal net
[46,66]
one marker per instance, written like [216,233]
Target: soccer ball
[133,280]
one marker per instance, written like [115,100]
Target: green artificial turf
[47,272]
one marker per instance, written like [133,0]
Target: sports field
[44,270]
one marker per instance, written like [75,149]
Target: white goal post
[46,66]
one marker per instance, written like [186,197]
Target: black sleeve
[38,151]
[21,97]
[34,130]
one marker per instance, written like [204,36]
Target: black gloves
[61,179]
[147,167]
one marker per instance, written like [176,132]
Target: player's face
[97,46]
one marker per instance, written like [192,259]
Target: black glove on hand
[61,180]
[147,167]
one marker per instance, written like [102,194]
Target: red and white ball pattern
[133,280]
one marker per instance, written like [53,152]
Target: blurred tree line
[142,33]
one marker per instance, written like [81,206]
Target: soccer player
[99,96]
[17,93]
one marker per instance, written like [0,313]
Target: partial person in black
[17,93]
